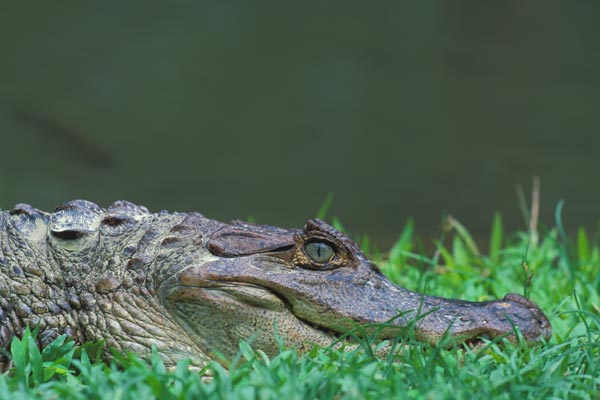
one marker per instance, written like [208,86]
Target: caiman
[192,286]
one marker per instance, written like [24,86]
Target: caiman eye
[319,252]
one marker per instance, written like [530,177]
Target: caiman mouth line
[249,295]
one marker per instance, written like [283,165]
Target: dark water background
[263,108]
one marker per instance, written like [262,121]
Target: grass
[561,274]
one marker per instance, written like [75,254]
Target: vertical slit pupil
[319,252]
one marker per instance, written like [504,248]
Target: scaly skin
[191,286]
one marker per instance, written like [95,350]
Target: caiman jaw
[300,286]
[210,298]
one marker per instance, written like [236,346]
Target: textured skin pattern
[94,273]
[189,285]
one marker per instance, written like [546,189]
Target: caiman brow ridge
[193,287]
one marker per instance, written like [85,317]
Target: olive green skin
[193,287]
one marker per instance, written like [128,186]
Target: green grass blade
[445,255]
[460,254]
[337,224]
[403,244]
[496,237]
[523,205]
[583,247]
[18,350]
[35,360]
[324,209]
[563,236]
[465,236]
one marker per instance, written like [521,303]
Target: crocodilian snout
[523,314]
[435,320]
[512,317]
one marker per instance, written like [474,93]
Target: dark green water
[252,108]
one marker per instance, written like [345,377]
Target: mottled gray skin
[191,286]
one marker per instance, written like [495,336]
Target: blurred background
[238,109]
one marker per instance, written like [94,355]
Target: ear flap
[242,239]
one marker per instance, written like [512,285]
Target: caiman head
[192,287]
[306,287]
